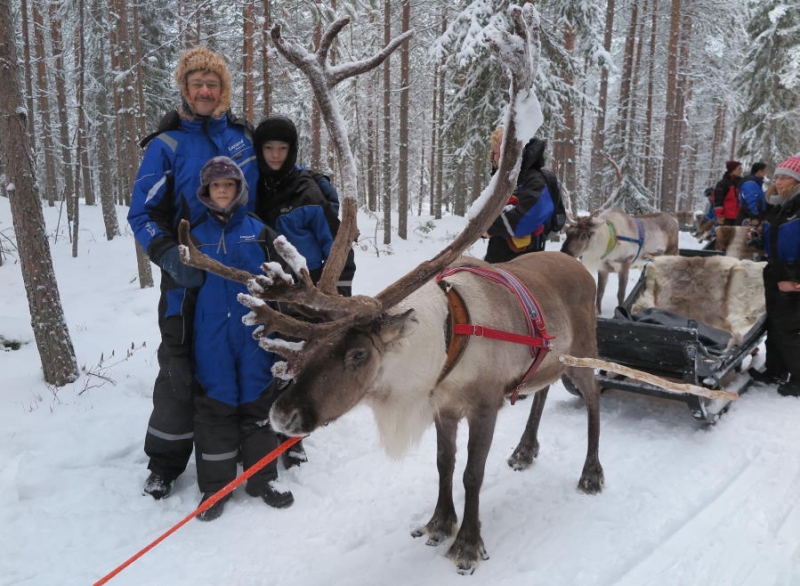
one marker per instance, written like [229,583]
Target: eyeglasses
[198,85]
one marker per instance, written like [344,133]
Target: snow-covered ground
[684,504]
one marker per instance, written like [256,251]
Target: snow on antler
[323,78]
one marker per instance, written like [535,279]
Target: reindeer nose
[289,422]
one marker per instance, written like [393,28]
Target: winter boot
[294,456]
[789,389]
[273,493]
[157,486]
[215,510]
[766,377]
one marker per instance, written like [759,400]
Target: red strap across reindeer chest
[460,328]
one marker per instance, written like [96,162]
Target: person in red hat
[726,194]
[781,240]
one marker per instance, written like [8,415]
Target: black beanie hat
[276,128]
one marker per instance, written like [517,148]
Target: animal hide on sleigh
[721,291]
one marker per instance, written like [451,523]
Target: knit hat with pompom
[790,167]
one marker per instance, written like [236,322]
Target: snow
[683,504]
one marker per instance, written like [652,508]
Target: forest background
[666,89]
[645,98]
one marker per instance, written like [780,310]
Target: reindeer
[614,241]
[421,351]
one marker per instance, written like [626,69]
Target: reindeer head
[341,354]
[579,234]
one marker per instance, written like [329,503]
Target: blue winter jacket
[782,241]
[751,197]
[230,365]
[169,175]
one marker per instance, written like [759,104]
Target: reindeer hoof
[436,531]
[592,480]
[523,457]
[466,556]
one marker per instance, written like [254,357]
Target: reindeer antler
[323,78]
[519,51]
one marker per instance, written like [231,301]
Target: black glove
[181,375]
[184,275]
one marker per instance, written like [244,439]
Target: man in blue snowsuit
[165,192]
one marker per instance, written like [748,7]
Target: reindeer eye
[355,357]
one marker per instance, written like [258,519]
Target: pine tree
[770,122]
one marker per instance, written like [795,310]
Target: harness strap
[456,342]
[539,344]
[614,238]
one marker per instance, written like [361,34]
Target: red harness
[459,327]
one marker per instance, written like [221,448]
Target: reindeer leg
[602,279]
[622,276]
[528,448]
[468,547]
[444,520]
[591,481]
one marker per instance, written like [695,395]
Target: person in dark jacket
[781,240]
[753,203]
[291,202]
[524,223]
[726,194]
[163,193]
[233,372]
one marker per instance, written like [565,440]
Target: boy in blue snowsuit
[233,371]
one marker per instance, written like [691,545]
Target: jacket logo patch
[236,147]
[247,238]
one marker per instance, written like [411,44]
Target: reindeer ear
[390,328]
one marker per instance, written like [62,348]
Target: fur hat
[222,168]
[202,59]
[276,128]
[790,167]
[731,166]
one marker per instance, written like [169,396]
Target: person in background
[165,192]
[781,242]
[726,194]
[291,202]
[753,203]
[533,211]
[233,372]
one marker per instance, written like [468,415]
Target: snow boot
[766,377]
[294,456]
[275,495]
[157,486]
[215,510]
[789,389]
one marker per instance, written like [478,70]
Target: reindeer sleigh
[695,318]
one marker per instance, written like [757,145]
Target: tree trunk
[387,127]
[26,39]
[599,131]
[248,58]
[265,70]
[670,160]
[59,364]
[104,143]
[650,164]
[624,121]
[564,151]
[316,116]
[62,115]
[403,150]
[46,130]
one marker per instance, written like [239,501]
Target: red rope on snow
[227,489]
